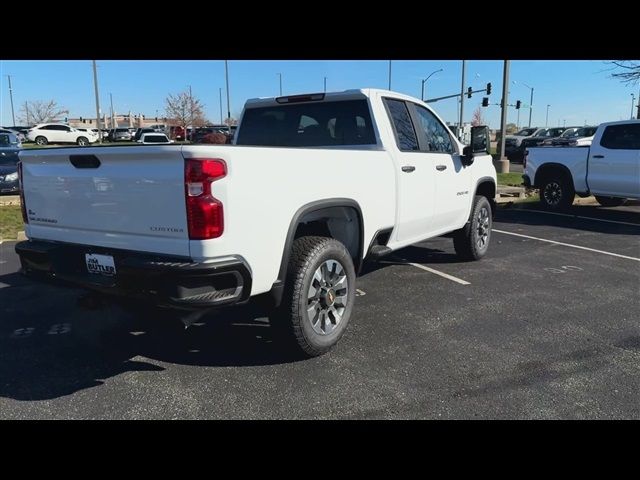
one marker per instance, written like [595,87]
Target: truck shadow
[570,218]
[49,347]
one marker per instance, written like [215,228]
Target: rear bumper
[163,280]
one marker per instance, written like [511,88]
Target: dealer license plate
[100,264]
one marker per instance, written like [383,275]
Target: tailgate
[131,198]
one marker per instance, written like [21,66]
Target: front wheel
[471,242]
[611,201]
[319,295]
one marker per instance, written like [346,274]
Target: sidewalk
[9,200]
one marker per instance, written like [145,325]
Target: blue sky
[578,91]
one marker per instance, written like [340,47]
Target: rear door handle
[598,156]
[441,167]
[408,168]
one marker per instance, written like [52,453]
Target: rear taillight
[205,217]
[23,205]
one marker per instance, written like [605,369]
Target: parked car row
[9,148]
[517,144]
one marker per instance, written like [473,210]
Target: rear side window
[403,126]
[155,138]
[622,137]
[311,124]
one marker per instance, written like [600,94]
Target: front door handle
[598,156]
[441,167]
[408,168]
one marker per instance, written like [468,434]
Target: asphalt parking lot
[546,326]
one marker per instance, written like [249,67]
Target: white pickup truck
[313,186]
[609,168]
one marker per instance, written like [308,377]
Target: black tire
[296,328]
[471,242]
[556,192]
[41,140]
[611,201]
[82,141]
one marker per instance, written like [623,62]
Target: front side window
[621,137]
[406,138]
[437,135]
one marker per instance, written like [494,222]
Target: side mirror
[480,139]
[467,156]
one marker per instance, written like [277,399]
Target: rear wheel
[556,192]
[471,242]
[319,295]
[82,141]
[41,140]
[611,201]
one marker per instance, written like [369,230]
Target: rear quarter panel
[574,158]
[265,186]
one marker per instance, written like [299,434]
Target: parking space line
[567,245]
[578,216]
[442,274]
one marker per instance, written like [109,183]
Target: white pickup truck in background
[314,185]
[609,168]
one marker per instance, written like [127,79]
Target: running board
[378,251]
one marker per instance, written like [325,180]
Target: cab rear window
[311,124]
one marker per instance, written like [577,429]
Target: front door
[416,177]
[453,189]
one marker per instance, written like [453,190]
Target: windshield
[526,132]
[569,133]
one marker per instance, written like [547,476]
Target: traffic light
[81,120]
[518,103]
[485,101]
[156,119]
[469,92]
[489,88]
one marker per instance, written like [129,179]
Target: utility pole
[530,107]
[190,115]
[226,73]
[280,77]
[389,74]
[26,109]
[112,112]
[633,97]
[220,91]
[502,165]
[464,68]
[95,86]
[325,84]
[546,121]
[13,117]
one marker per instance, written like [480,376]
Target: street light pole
[546,122]
[389,74]
[220,91]
[280,75]
[530,101]
[95,87]
[13,117]
[226,72]
[633,98]
[425,80]
[325,84]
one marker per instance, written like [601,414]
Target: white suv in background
[45,133]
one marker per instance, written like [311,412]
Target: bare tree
[39,111]
[627,71]
[477,119]
[185,109]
